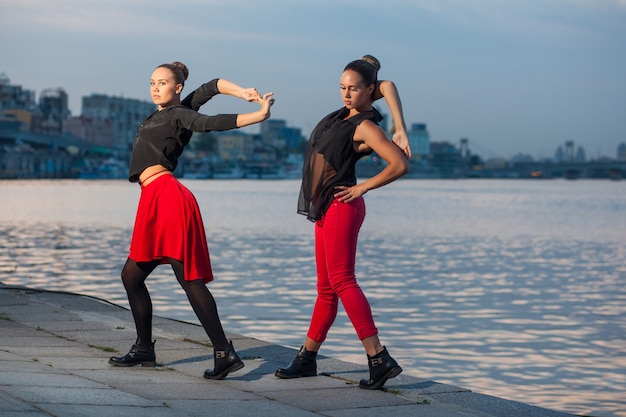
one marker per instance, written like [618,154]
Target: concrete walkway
[54,349]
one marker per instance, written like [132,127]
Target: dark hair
[367,67]
[179,70]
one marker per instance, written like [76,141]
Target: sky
[511,76]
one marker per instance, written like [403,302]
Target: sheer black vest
[330,160]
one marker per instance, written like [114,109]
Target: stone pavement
[54,349]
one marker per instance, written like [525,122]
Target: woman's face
[163,88]
[354,92]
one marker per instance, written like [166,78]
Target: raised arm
[232,89]
[388,90]
[207,91]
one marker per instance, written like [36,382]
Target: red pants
[335,254]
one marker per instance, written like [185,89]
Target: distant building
[272,133]
[54,110]
[45,117]
[11,120]
[521,158]
[621,152]
[278,137]
[447,159]
[18,109]
[234,145]
[419,139]
[97,132]
[293,139]
[559,155]
[569,153]
[124,116]
[14,97]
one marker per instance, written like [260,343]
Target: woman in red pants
[331,197]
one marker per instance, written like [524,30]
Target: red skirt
[169,225]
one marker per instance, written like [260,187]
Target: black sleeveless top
[330,160]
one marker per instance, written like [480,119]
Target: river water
[510,288]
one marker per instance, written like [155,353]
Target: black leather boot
[304,364]
[139,354]
[382,367]
[226,361]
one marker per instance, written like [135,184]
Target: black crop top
[164,134]
[330,160]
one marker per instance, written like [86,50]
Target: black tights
[134,277]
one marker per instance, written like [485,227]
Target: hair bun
[184,68]
[372,60]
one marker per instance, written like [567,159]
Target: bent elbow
[400,170]
[406,167]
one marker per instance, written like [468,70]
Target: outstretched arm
[388,90]
[266,101]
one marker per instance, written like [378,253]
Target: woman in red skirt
[168,227]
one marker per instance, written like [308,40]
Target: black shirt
[330,160]
[164,134]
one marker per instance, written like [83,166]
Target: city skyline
[102,103]
[512,77]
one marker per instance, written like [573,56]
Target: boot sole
[393,372]
[127,365]
[234,367]
[293,376]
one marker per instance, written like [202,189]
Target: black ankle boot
[304,364]
[382,367]
[139,354]
[226,361]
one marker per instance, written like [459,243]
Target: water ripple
[534,313]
